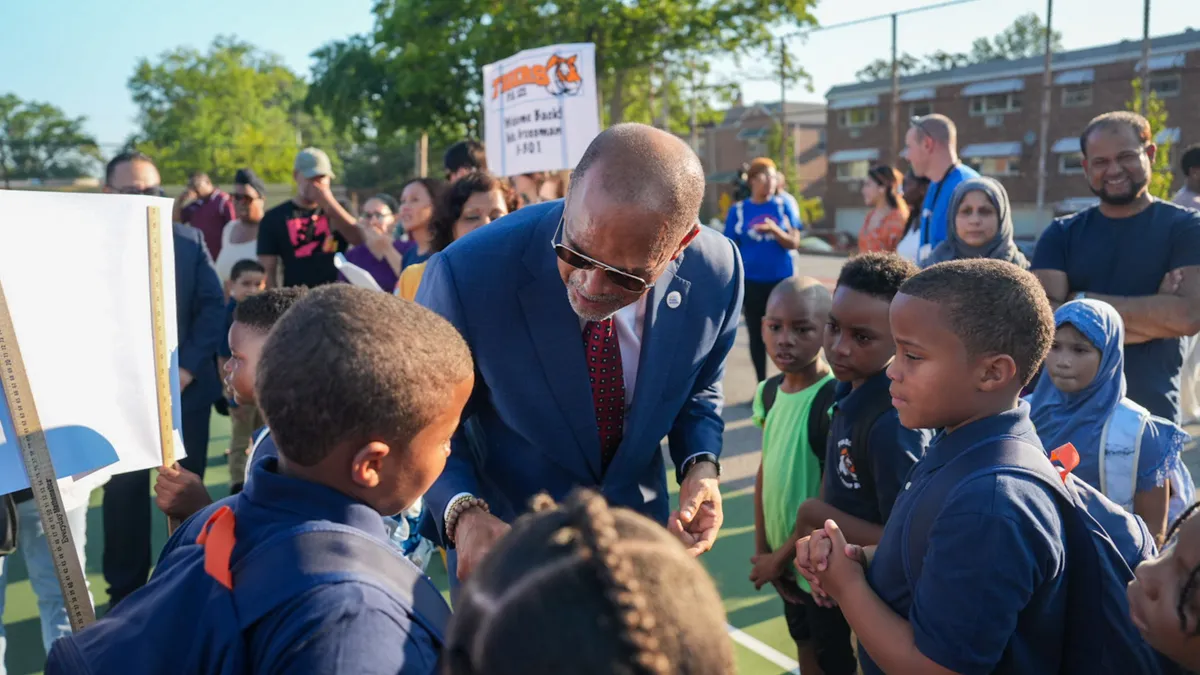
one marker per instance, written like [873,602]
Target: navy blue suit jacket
[500,287]
[200,316]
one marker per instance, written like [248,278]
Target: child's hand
[816,547]
[179,493]
[768,567]
[843,566]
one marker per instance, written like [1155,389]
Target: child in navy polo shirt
[362,392]
[990,595]
[179,493]
[861,483]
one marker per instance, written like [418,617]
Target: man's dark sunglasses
[152,191]
[570,256]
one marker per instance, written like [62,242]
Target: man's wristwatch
[693,461]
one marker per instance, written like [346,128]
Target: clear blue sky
[78,54]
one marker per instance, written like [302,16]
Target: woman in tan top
[884,225]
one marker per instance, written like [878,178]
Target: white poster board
[540,109]
[76,273]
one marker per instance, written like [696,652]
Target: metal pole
[1043,140]
[783,130]
[895,149]
[1145,74]
[423,155]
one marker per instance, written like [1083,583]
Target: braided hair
[587,589]
[1193,577]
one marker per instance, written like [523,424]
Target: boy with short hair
[178,492]
[990,592]
[792,410]
[869,452]
[362,392]
[248,278]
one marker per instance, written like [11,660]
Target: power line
[877,17]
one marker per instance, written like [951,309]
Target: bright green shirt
[791,472]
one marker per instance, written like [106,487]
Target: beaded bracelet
[459,507]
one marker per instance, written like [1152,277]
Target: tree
[38,140]
[229,107]
[420,69]
[1022,38]
[1161,171]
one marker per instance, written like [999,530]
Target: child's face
[858,338]
[1154,598]
[246,285]
[1073,360]
[405,476]
[793,331]
[933,376]
[245,346]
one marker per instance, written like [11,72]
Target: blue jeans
[31,544]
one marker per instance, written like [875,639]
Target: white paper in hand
[355,274]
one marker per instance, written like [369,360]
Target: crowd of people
[954,447]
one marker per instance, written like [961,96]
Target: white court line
[764,650]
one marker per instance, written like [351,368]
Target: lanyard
[925,222]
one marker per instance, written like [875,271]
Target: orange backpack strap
[218,537]
[1066,458]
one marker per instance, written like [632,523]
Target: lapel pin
[674,299]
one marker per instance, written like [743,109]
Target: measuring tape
[38,467]
[162,356]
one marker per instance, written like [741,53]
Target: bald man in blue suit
[600,325]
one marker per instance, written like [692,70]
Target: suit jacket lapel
[558,340]
[660,334]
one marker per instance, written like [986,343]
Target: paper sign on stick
[76,274]
[540,109]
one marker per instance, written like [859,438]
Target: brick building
[743,135]
[997,108]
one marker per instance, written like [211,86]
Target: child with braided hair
[1164,598]
[587,589]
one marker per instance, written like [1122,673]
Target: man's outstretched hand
[700,515]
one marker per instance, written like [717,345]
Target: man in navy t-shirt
[932,143]
[1135,252]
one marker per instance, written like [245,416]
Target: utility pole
[665,81]
[1043,137]
[652,103]
[1145,57]
[783,130]
[695,133]
[423,155]
[895,149]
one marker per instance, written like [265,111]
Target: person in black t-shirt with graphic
[304,233]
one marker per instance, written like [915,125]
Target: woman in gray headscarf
[980,225]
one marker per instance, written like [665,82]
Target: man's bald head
[639,164]
[804,292]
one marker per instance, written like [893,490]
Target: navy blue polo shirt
[1130,257]
[333,628]
[893,451]
[992,595]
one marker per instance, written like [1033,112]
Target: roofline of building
[1115,52]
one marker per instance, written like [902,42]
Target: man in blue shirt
[932,143]
[988,594]
[1135,252]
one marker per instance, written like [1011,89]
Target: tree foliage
[1161,171]
[1022,38]
[223,109]
[38,140]
[421,67]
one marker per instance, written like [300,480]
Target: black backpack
[818,424]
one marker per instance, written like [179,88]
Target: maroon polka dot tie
[608,384]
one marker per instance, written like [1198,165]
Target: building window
[920,109]
[996,104]
[1077,96]
[1070,163]
[858,117]
[821,141]
[755,148]
[996,166]
[853,171]
[1166,86]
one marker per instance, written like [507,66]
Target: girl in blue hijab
[1126,453]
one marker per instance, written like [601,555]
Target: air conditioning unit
[856,133]
[993,121]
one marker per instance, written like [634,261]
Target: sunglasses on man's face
[151,191]
[579,261]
